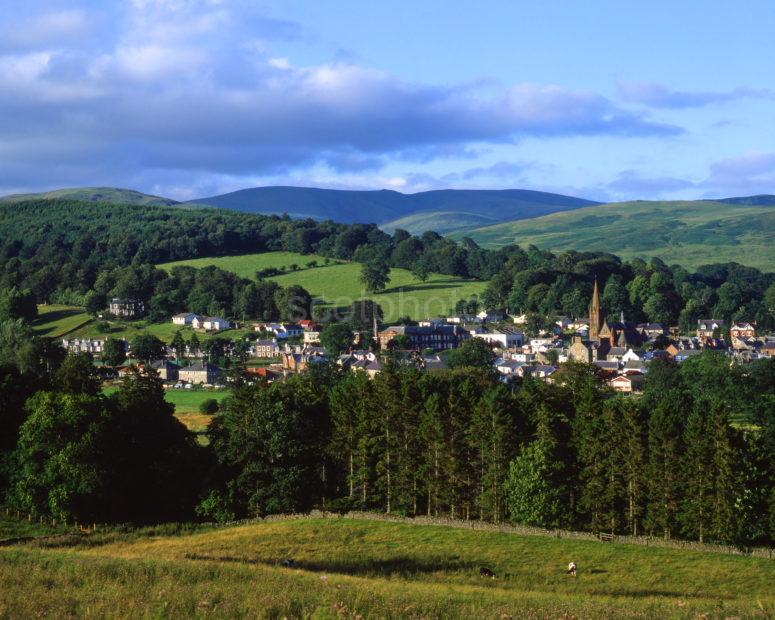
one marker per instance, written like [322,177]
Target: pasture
[690,233]
[362,569]
[338,284]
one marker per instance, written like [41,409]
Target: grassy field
[690,233]
[365,569]
[339,284]
[56,320]
[187,405]
[164,331]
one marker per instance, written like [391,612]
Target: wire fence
[481,526]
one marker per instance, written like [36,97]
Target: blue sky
[603,99]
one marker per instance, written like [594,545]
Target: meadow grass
[351,568]
[338,284]
[11,527]
[57,320]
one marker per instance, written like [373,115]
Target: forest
[81,253]
[691,458]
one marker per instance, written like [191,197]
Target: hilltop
[114,195]
[691,233]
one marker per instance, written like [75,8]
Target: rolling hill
[691,233]
[113,195]
[359,568]
[440,210]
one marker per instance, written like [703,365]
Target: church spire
[594,314]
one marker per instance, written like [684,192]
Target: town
[619,349]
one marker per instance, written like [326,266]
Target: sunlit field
[338,284]
[350,568]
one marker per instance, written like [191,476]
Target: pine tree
[698,473]
[632,456]
[665,466]
[431,435]
[351,402]
[491,437]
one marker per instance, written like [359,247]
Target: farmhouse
[127,308]
[185,318]
[200,372]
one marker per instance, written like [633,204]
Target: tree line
[691,458]
[73,252]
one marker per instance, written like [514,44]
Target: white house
[84,345]
[462,319]
[215,323]
[210,323]
[633,356]
[520,356]
[505,339]
[518,319]
[311,337]
[488,316]
[185,318]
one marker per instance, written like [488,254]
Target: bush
[209,406]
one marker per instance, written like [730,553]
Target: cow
[571,569]
[486,572]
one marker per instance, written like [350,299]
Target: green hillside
[339,285]
[441,222]
[691,233]
[347,568]
[113,195]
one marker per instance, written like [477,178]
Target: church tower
[594,315]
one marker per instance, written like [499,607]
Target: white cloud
[47,30]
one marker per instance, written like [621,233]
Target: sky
[603,99]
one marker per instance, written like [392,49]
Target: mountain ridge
[386,207]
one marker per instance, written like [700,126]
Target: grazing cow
[486,572]
[571,569]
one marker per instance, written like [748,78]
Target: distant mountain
[690,233]
[113,195]
[440,210]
